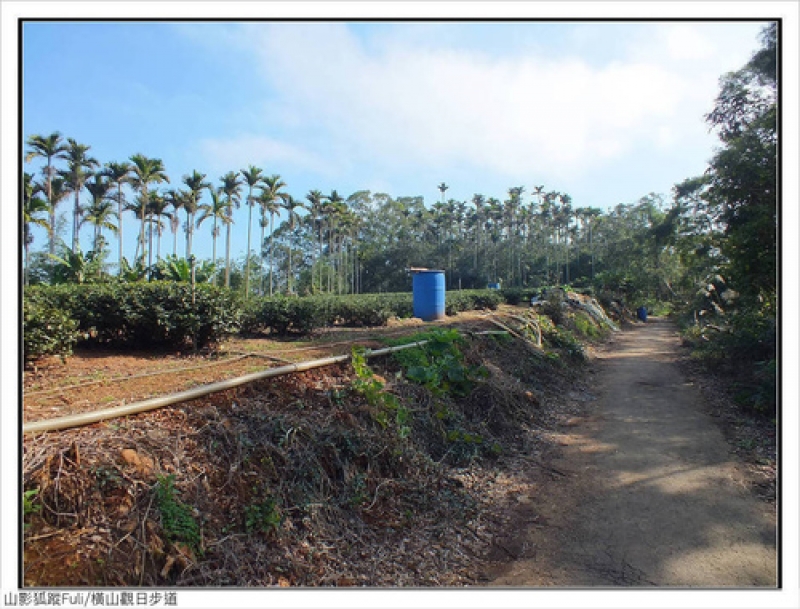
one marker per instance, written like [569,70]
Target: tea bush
[47,329]
[159,313]
[165,313]
[470,300]
[285,315]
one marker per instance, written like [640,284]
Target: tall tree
[34,212]
[49,147]
[478,200]
[231,188]
[334,209]
[100,211]
[79,166]
[272,194]
[217,211]
[196,182]
[315,217]
[743,184]
[158,209]
[119,173]
[291,205]
[146,171]
[253,176]
[178,199]
[442,188]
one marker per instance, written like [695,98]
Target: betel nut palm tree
[79,166]
[119,173]
[253,176]
[442,188]
[34,212]
[49,147]
[145,171]
[217,211]
[333,210]
[290,204]
[157,209]
[316,216]
[178,199]
[196,183]
[272,194]
[231,188]
[100,212]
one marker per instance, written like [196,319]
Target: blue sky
[604,111]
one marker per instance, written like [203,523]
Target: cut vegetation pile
[396,471]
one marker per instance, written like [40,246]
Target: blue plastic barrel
[641,312]
[429,293]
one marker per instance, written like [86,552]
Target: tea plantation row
[169,314]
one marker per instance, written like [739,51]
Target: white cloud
[685,41]
[397,105]
[220,154]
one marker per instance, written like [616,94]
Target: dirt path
[653,495]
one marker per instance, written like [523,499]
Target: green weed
[262,516]
[28,505]
[176,517]
[387,405]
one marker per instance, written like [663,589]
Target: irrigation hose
[87,418]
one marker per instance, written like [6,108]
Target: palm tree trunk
[144,197]
[150,243]
[261,250]
[75,214]
[214,244]
[228,255]
[119,212]
[52,235]
[271,232]
[25,271]
[52,226]
[247,257]
[330,251]
[189,235]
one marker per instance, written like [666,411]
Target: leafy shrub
[159,313]
[439,364]
[515,296]
[487,299]
[470,300]
[47,329]
[742,345]
[368,309]
[284,315]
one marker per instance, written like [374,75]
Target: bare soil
[96,377]
[652,494]
[615,473]
[291,481]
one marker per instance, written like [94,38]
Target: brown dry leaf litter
[292,482]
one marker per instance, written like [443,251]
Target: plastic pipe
[87,418]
